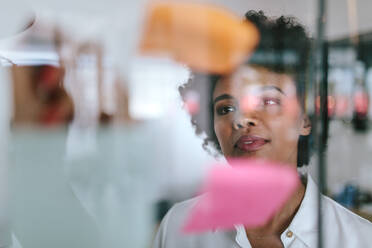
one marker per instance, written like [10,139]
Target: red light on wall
[361,102]
[342,105]
[331,105]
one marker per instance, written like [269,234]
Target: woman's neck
[281,219]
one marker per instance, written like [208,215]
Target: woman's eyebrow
[266,87]
[222,97]
[272,87]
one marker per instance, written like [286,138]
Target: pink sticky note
[248,192]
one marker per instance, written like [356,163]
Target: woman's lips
[250,143]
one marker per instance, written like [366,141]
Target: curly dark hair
[284,47]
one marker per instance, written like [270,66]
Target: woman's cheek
[223,133]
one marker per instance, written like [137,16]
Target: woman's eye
[223,110]
[271,101]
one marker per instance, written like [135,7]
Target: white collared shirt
[342,228]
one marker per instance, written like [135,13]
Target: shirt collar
[241,237]
[304,224]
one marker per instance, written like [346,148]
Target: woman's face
[257,115]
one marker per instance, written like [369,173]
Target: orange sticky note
[205,37]
[249,192]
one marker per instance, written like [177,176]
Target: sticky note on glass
[249,192]
[205,37]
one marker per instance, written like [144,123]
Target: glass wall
[113,112]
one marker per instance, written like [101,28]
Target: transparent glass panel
[111,113]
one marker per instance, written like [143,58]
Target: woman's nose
[244,122]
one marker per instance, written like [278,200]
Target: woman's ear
[306,126]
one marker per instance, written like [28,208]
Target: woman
[258,112]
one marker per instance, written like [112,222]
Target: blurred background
[96,144]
